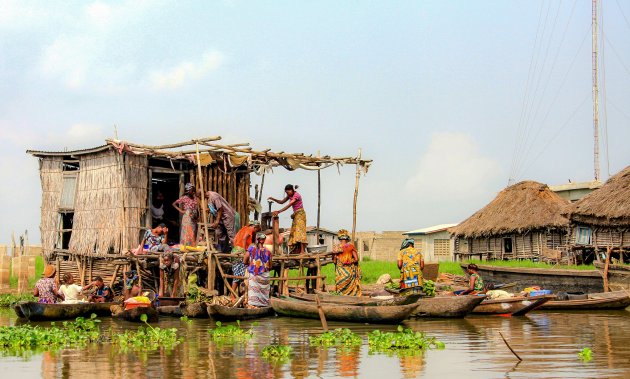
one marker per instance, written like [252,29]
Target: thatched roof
[524,206]
[607,206]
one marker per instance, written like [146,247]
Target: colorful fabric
[298,228]
[346,253]
[245,237]
[188,228]
[153,240]
[238,269]
[259,260]
[104,292]
[46,288]
[298,201]
[410,273]
[478,286]
[406,243]
[348,279]
[258,290]
[228,218]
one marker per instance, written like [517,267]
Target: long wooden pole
[606,268]
[595,26]
[510,347]
[204,217]
[356,196]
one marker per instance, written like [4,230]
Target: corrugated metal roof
[430,229]
[41,153]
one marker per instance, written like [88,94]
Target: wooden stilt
[204,216]
[356,196]
[606,266]
[225,281]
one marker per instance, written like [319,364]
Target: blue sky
[433,91]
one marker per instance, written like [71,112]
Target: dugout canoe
[618,275]
[170,301]
[34,311]
[358,300]
[446,306]
[595,301]
[135,314]
[515,306]
[223,313]
[342,312]
[170,310]
[194,310]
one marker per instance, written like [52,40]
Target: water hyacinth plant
[10,300]
[337,338]
[276,353]
[404,341]
[230,333]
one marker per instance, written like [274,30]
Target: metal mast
[595,94]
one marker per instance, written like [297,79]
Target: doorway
[165,189]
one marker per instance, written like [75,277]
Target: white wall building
[435,242]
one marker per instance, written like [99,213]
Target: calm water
[547,342]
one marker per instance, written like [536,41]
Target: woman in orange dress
[347,271]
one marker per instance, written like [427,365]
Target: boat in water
[596,301]
[446,306]
[35,311]
[223,313]
[618,276]
[514,306]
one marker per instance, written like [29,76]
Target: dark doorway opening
[165,189]
[507,245]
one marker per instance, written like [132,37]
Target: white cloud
[187,71]
[77,136]
[99,13]
[453,169]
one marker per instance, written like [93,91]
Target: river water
[548,343]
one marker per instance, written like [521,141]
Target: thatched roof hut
[608,206]
[523,207]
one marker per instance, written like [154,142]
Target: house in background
[575,191]
[434,241]
[329,237]
[379,246]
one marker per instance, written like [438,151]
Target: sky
[451,99]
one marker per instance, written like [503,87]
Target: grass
[39,270]
[531,264]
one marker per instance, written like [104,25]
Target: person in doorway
[242,241]
[157,209]
[297,238]
[188,206]
[169,274]
[46,287]
[224,220]
[410,264]
[70,291]
[100,292]
[156,239]
[347,270]
[475,284]
[258,262]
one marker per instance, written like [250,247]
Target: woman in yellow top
[410,264]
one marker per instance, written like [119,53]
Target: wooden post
[356,195]
[606,266]
[322,316]
[204,217]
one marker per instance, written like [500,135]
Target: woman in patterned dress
[258,261]
[188,206]
[347,271]
[46,287]
[297,238]
[410,264]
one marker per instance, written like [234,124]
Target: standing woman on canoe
[46,287]
[410,264]
[188,206]
[347,270]
[258,262]
[297,237]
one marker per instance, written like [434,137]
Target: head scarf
[188,187]
[261,236]
[344,237]
[254,222]
[342,232]
[406,243]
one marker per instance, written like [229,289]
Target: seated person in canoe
[475,284]
[258,262]
[46,287]
[71,291]
[99,292]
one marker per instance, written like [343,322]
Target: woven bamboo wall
[98,212]
[233,186]
[134,193]
[51,174]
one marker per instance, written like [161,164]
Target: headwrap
[342,232]
[407,242]
[261,236]
[188,187]
[254,222]
[344,237]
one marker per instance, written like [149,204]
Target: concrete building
[329,237]
[575,191]
[379,246]
[435,242]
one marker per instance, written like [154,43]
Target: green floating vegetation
[146,338]
[79,333]
[338,338]
[403,341]
[230,333]
[276,353]
[586,354]
[9,299]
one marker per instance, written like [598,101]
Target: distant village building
[575,191]
[317,237]
[435,241]
[524,221]
[601,220]
[379,246]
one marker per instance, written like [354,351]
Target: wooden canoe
[134,314]
[49,312]
[515,306]
[194,310]
[595,301]
[342,312]
[358,300]
[446,306]
[618,275]
[223,313]
[170,310]
[169,301]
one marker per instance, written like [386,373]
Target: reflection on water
[547,342]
